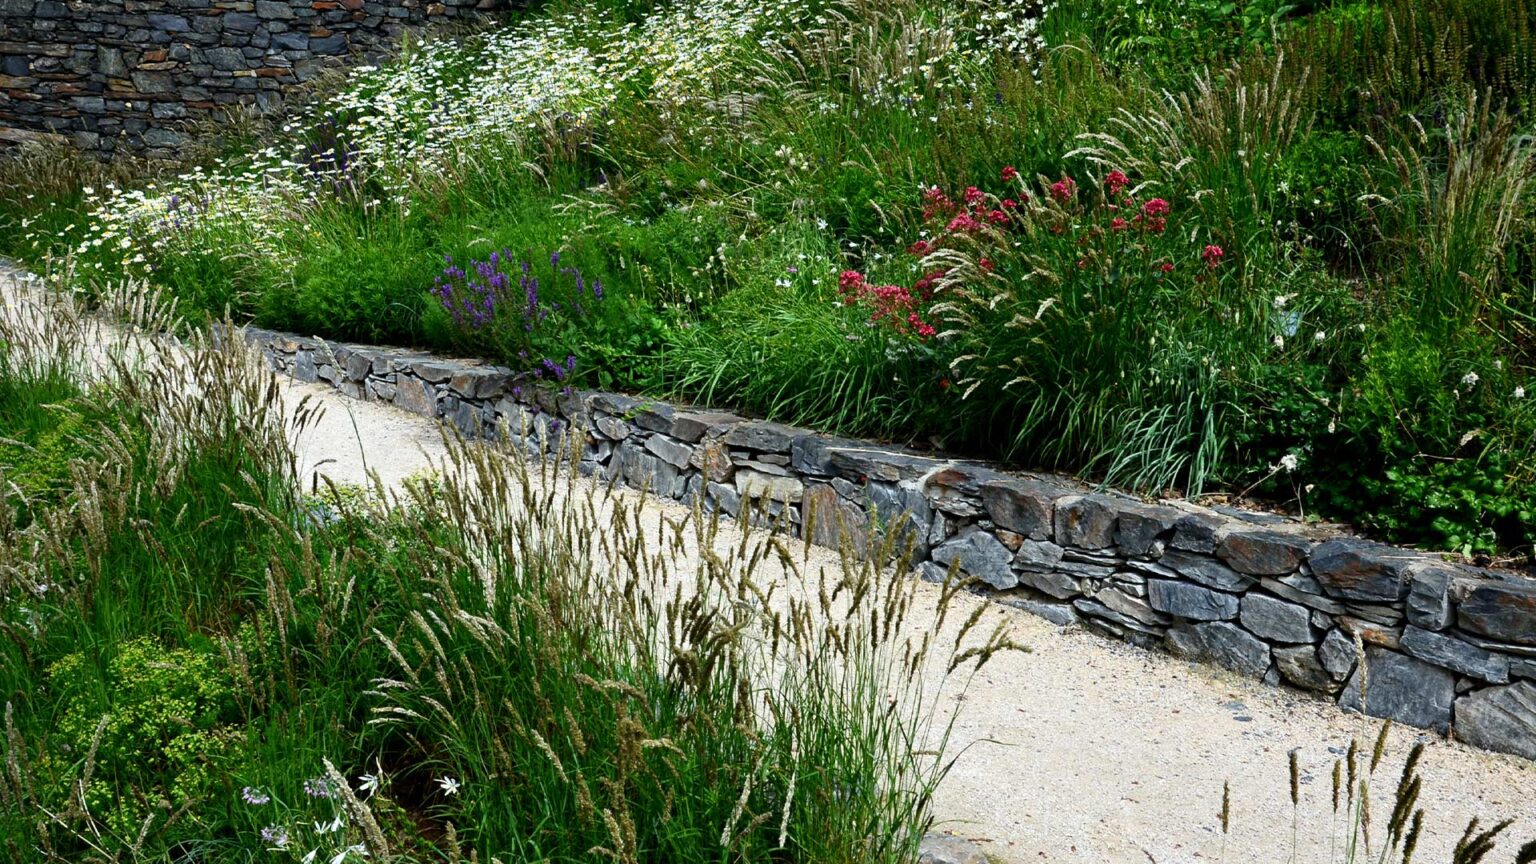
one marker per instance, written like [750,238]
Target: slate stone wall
[1446,647]
[124,75]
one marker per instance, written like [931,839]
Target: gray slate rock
[1197,532]
[1499,610]
[1299,665]
[1190,602]
[1263,553]
[1055,584]
[1142,529]
[1403,689]
[1085,521]
[669,451]
[1060,614]
[980,555]
[1500,718]
[1276,620]
[1361,570]
[1337,653]
[1021,506]
[1206,570]
[1429,603]
[1455,655]
[1224,644]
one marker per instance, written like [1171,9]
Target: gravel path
[1083,749]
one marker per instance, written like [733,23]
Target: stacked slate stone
[112,76]
[1444,646]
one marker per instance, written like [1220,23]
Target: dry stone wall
[124,75]
[1445,647]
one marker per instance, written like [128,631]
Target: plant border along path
[1445,647]
[1085,749]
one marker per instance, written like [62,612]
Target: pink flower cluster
[892,306]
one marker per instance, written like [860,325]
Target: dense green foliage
[201,664]
[1360,351]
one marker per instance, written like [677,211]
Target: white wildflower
[449,785]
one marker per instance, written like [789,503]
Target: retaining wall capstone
[1445,647]
[124,75]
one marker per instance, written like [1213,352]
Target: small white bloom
[1470,379]
[1290,462]
[1319,336]
[449,784]
[1519,392]
[1279,341]
[368,783]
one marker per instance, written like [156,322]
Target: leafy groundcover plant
[500,662]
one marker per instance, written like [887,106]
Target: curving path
[1084,749]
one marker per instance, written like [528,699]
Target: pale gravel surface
[1084,749]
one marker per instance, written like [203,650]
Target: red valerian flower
[964,222]
[1166,266]
[1155,207]
[921,247]
[1119,224]
[1010,204]
[1063,189]
[986,264]
[973,195]
[998,217]
[1212,256]
[1116,181]
[1010,174]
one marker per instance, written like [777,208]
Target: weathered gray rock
[1262,552]
[1275,619]
[812,454]
[417,396]
[1060,614]
[1085,521]
[1142,530]
[830,518]
[1505,611]
[1224,644]
[1429,602]
[1197,532]
[1299,666]
[1206,570]
[754,484]
[1021,506]
[956,489]
[1304,590]
[1038,555]
[867,463]
[980,555]
[1522,667]
[1455,655]
[1190,602]
[435,371]
[1058,585]
[1095,612]
[1361,570]
[1500,718]
[725,497]
[642,470]
[1337,654]
[676,453]
[692,426]
[1133,607]
[612,427]
[1402,689]
[764,435]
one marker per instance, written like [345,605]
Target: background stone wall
[1445,647]
[123,75]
